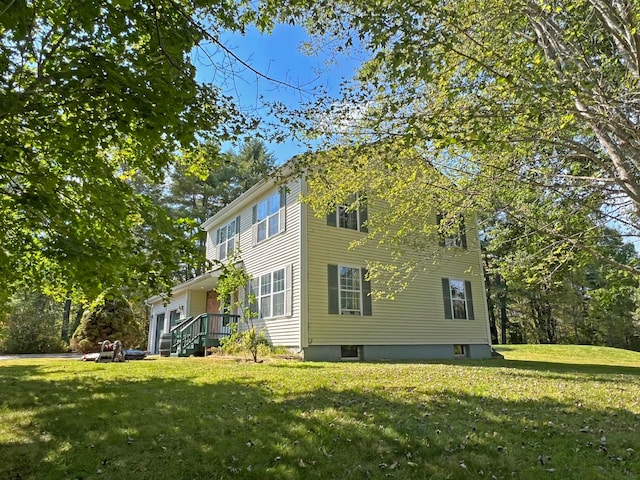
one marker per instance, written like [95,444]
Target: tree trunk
[77,320]
[504,319]
[538,319]
[543,317]
[492,322]
[491,306]
[65,320]
[549,323]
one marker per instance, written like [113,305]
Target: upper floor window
[227,238]
[349,290]
[458,302]
[272,294]
[452,235]
[268,216]
[353,215]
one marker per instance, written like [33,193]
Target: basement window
[460,351]
[350,352]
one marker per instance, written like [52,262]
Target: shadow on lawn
[88,427]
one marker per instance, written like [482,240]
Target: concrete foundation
[332,353]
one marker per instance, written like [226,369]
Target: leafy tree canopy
[93,94]
[205,180]
[488,94]
[30,323]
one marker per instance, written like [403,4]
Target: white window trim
[453,242]
[235,237]
[466,300]
[281,219]
[357,213]
[464,351]
[340,290]
[288,280]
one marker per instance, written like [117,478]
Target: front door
[174,317]
[219,323]
[159,328]
[213,304]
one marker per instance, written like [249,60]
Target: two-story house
[312,292]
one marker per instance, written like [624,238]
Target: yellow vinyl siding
[281,330]
[416,316]
[197,302]
[308,246]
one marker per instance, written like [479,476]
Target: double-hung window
[268,216]
[271,293]
[227,238]
[352,215]
[349,290]
[458,302]
[452,235]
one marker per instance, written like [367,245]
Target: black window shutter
[255,214]
[217,236]
[366,294]
[469,297]
[283,196]
[238,225]
[440,234]
[334,294]
[463,234]
[446,294]
[332,218]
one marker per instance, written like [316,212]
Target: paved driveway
[70,356]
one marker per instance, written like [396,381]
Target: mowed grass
[571,354]
[542,413]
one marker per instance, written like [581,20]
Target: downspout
[304,268]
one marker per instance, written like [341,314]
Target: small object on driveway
[131,354]
[110,352]
[113,352]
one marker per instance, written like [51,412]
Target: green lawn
[571,354]
[544,412]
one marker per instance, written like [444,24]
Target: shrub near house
[109,318]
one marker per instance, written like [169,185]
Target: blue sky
[279,57]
